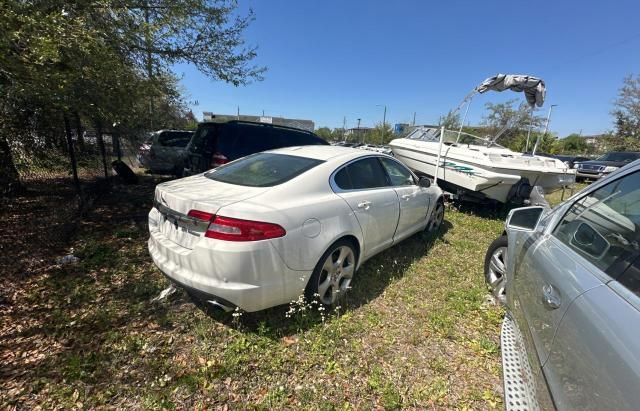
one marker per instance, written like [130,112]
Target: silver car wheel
[336,275]
[496,273]
[437,217]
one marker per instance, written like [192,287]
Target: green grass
[415,332]
[557,197]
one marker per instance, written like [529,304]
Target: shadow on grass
[490,211]
[369,282]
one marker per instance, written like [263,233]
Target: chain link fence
[59,182]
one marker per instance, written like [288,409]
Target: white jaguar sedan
[264,229]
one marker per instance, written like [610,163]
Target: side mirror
[424,182]
[524,218]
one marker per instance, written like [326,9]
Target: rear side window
[604,226]
[290,138]
[204,138]
[342,179]
[263,170]
[251,139]
[361,174]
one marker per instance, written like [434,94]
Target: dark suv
[214,144]
[605,164]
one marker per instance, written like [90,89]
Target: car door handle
[406,196]
[365,205]
[550,297]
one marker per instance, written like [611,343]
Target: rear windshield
[262,170]
[174,138]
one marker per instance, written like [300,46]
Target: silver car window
[604,226]
[361,174]
[398,174]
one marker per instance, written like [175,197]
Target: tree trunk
[9,176]
[79,130]
[103,153]
[117,148]
[72,156]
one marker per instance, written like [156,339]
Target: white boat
[476,168]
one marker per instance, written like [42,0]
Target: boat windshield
[431,134]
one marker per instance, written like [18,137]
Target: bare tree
[626,111]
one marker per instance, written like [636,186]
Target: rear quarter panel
[312,225]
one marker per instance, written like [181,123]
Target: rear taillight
[233,229]
[201,215]
[218,159]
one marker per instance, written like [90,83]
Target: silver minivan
[570,280]
[164,151]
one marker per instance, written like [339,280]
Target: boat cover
[533,87]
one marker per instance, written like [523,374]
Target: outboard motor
[520,191]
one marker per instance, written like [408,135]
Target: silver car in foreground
[570,280]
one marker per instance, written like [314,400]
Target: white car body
[310,207]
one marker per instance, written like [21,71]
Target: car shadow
[489,211]
[369,282]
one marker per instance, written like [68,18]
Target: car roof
[255,123]
[325,153]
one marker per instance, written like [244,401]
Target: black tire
[436,218]
[342,277]
[178,171]
[495,265]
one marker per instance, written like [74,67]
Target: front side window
[262,170]
[604,226]
[398,174]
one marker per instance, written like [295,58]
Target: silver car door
[413,199]
[594,361]
[553,267]
[547,278]
[363,185]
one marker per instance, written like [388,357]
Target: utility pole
[414,119]
[358,132]
[344,127]
[238,114]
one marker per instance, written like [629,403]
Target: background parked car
[215,144]
[605,164]
[266,228]
[164,151]
[571,160]
[570,279]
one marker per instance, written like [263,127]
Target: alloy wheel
[336,274]
[496,273]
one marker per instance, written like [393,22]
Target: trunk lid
[176,198]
